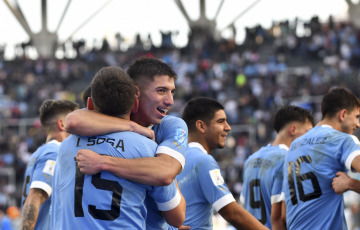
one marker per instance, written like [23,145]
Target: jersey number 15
[101,184]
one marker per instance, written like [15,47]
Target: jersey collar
[326,126]
[282,146]
[54,141]
[197,145]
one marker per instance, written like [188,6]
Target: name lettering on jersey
[260,163]
[310,141]
[216,177]
[180,138]
[101,140]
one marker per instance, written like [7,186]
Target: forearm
[354,185]
[29,216]
[176,216]
[239,217]
[89,123]
[278,225]
[277,221]
[156,171]
[30,211]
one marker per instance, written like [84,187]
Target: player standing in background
[156,83]
[315,158]
[40,168]
[201,182]
[262,192]
[104,201]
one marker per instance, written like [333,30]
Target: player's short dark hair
[112,91]
[291,113]
[51,110]
[85,95]
[336,99]
[200,108]
[148,68]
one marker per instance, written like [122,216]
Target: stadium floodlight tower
[204,27]
[354,12]
[45,41]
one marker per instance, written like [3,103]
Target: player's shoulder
[50,147]
[197,153]
[129,135]
[173,121]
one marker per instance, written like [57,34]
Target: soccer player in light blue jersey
[40,168]
[156,83]
[201,182]
[102,200]
[313,161]
[262,192]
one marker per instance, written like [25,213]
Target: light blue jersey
[104,201]
[203,187]
[309,169]
[39,174]
[262,181]
[55,211]
[171,135]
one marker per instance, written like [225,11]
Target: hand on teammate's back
[341,182]
[88,161]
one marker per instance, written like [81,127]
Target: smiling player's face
[217,130]
[351,121]
[156,98]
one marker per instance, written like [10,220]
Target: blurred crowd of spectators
[291,62]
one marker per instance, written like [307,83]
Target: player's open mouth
[163,111]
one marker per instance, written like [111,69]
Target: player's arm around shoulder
[30,211]
[239,217]
[343,182]
[85,122]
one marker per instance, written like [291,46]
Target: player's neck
[282,140]
[56,136]
[135,117]
[198,138]
[330,122]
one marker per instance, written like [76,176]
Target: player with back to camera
[262,192]
[40,168]
[313,160]
[155,81]
[104,201]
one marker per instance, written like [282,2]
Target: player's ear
[292,129]
[137,91]
[200,126]
[60,124]
[342,114]
[136,105]
[90,104]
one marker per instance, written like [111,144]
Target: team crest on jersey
[216,177]
[180,137]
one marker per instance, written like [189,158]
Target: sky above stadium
[130,17]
